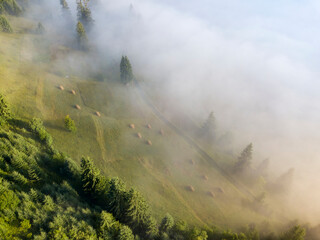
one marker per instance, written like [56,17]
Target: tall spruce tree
[82,37]
[125,70]
[64,4]
[66,11]
[93,184]
[244,160]
[5,112]
[116,197]
[125,233]
[167,223]
[136,209]
[84,13]
[5,25]
[208,129]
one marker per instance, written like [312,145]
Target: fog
[255,64]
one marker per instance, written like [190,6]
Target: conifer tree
[244,160]
[167,223]
[5,25]
[135,209]
[149,227]
[84,13]
[64,4]
[66,11]
[116,197]
[125,233]
[82,36]
[295,233]
[125,70]
[10,7]
[93,183]
[40,29]
[208,129]
[109,227]
[4,110]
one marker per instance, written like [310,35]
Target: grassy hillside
[171,173]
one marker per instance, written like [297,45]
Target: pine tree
[116,197]
[5,25]
[149,227]
[64,4]
[244,160]
[167,223]
[135,209]
[10,7]
[66,12]
[5,113]
[69,124]
[125,70]
[82,36]
[125,233]
[208,129]
[84,13]
[93,183]
[40,29]
[109,227]
[295,233]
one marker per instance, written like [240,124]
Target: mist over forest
[158,119]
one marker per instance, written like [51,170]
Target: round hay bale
[131,126]
[77,107]
[149,142]
[98,114]
[211,194]
[190,188]
[73,92]
[219,190]
[139,135]
[148,126]
[161,132]
[205,177]
[61,87]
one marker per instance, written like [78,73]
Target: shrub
[69,124]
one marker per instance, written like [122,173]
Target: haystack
[219,190]
[73,92]
[98,114]
[211,194]
[149,126]
[77,107]
[131,126]
[139,135]
[149,142]
[161,132]
[190,188]
[61,87]
[205,177]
